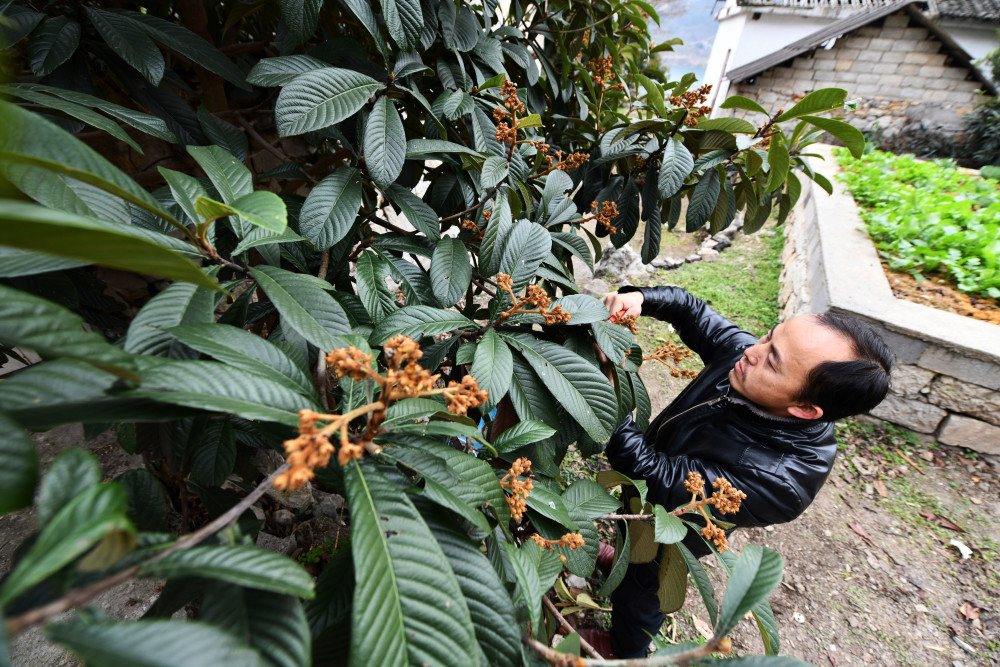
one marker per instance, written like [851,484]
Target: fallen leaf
[703,628]
[859,530]
[976,501]
[880,487]
[969,612]
[927,515]
[945,522]
[976,479]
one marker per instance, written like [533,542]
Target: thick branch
[489,195]
[78,597]
[590,650]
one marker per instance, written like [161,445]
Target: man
[760,415]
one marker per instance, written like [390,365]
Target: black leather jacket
[780,463]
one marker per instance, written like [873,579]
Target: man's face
[774,370]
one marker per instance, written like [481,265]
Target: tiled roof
[987,10]
[983,10]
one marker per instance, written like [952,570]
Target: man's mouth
[739,368]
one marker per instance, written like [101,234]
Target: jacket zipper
[704,404]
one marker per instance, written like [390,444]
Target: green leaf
[778,161]
[221,133]
[815,102]
[262,208]
[703,199]
[77,527]
[301,17]
[245,350]
[673,579]
[52,44]
[450,271]
[524,249]
[20,469]
[417,322]
[273,623]
[73,472]
[417,212]
[613,339]
[240,565]
[529,588]
[178,304]
[522,433]
[305,305]
[186,190]
[579,386]
[728,124]
[590,498]
[16,24]
[675,165]
[490,607]
[531,120]
[209,385]
[740,102]
[445,497]
[848,134]
[363,11]
[385,143]
[371,271]
[130,42]
[494,171]
[702,582]
[405,22]
[492,366]
[53,331]
[623,550]
[321,98]
[669,529]
[271,72]
[754,576]
[229,176]
[147,506]
[215,457]
[152,643]
[331,208]
[408,607]
[449,428]
[421,148]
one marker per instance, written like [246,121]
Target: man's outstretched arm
[699,326]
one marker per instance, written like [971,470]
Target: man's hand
[629,303]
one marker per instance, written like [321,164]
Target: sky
[691,20]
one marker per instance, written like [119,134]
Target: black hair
[845,388]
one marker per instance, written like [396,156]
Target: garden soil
[942,294]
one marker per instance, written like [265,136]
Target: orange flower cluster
[627,321]
[606,211]
[534,296]
[600,71]
[569,540]
[350,361]
[509,94]
[470,225]
[519,490]
[464,395]
[726,499]
[670,355]
[694,484]
[717,536]
[505,134]
[690,101]
[557,161]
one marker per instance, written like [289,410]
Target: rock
[576,582]
[722,241]
[971,399]
[298,500]
[667,263]
[913,414]
[622,262]
[596,288]
[281,545]
[690,259]
[267,460]
[708,254]
[910,380]
[709,244]
[283,518]
[959,431]
[329,506]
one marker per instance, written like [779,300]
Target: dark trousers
[635,611]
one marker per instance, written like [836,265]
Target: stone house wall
[947,378]
[900,70]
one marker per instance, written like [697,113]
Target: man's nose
[751,355]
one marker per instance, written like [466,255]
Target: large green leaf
[33,227]
[815,102]
[73,472]
[321,98]
[728,124]
[522,433]
[778,161]
[740,102]
[130,42]
[673,579]
[668,529]
[147,507]
[525,247]
[52,44]
[490,606]
[408,606]
[530,396]
[423,148]
[623,546]
[493,366]
[578,385]
[848,134]
[450,271]
[215,456]
[180,303]
[494,170]
[446,497]
[261,208]
[702,582]
[269,72]
[52,331]
[15,262]
[417,322]
[331,208]
[385,142]
[371,271]
[273,623]
[703,200]
[243,349]
[209,385]
[478,477]
[417,212]
[305,305]
[240,565]
[675,165]
[405,22]
[152,643]
[754,576]
[301,17]
[70,533]
[590,498]
[20,468]
[529,589]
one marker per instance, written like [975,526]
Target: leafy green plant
[290,182]
[929,216]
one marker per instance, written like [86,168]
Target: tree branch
[489,195]
[78,597]
[590,650]
[655,660]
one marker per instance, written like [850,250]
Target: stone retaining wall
[947,378]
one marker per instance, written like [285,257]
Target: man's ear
[805,411]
